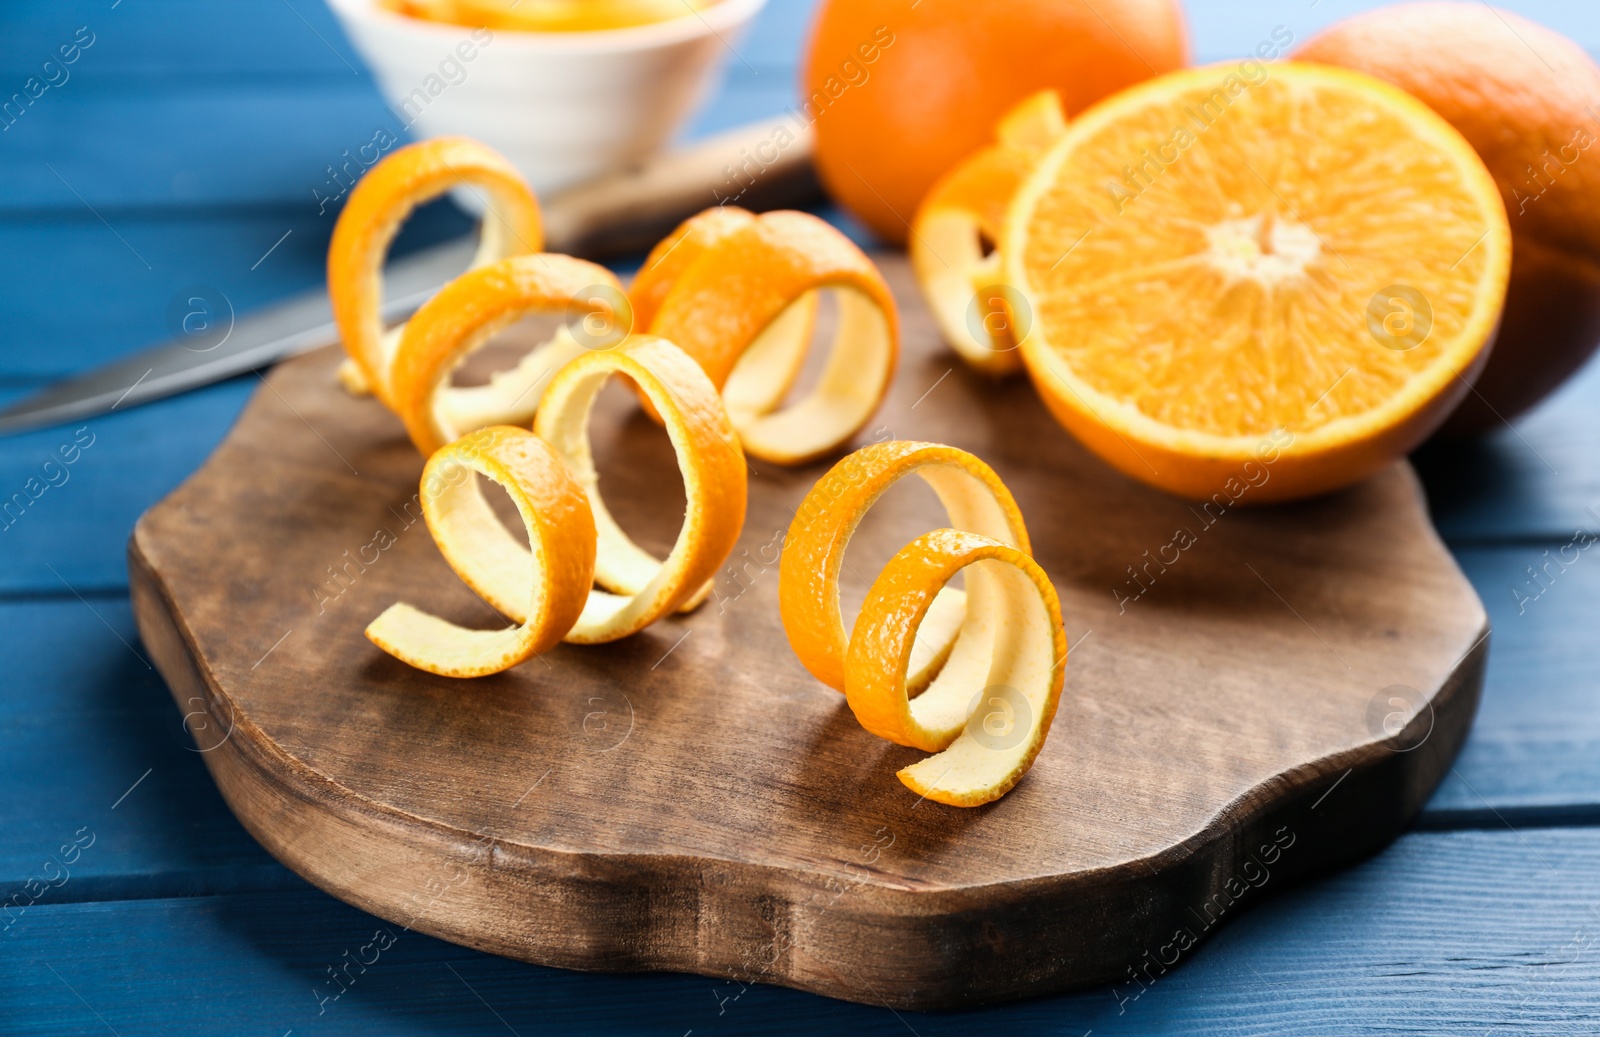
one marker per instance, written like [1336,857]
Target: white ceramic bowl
[564,106]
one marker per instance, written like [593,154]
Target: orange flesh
[1224,287]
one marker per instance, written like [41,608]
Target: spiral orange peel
[742,305]
[380,202]
[638,587]
[962,215]
[468,311]
[988,712]
[808,570]
[544,589]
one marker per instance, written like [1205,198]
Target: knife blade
[617,213]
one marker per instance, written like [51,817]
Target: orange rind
[974,498]
[955,236]
[544,587]
[778,352]
[379,203]
[988,712]
[743,308]
[638,587]
[468,311]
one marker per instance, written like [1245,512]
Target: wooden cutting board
[1280,699]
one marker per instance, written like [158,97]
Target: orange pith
[381,201]
[1228,261]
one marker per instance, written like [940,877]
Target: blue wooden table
[181,152]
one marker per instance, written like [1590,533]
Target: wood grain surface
[689,799]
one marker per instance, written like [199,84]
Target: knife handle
[762,165]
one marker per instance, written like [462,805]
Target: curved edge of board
[916,948]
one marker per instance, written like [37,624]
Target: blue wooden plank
[1442,934]
[116,147]
[93,750]
[66,523]
[1537,480]
[79,292]
[1229,28]
[1534,753]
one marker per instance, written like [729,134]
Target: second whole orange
[1528,100]
[901,92]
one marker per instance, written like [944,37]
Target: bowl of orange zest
[568,90]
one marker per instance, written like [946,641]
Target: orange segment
[644,588]
[813,553]
[544,589]
[745,304]
[383,200]
[1232,263]
[958,226]
[466,314]
[987,713]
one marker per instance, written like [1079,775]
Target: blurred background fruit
[901,92]
[1528,99]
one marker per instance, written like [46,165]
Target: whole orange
[900,92]
[1528,99]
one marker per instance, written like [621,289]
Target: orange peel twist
[813,552]
[380,202]
[468,311]
[964,210]
[638,587]
[983,741]
[544,589]
[742,302]
[917,634]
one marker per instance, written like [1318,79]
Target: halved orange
[956,233]
[380,202]
[1258,282]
